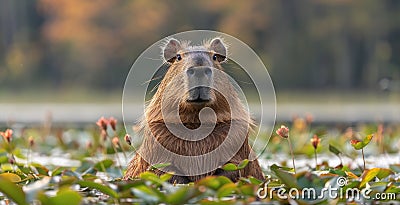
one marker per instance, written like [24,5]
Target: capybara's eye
[178,57]
[218,57]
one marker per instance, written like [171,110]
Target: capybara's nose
[199,72]
[199,83]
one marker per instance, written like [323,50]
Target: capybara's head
[194,80]
[198,64]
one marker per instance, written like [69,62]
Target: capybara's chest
[225,134]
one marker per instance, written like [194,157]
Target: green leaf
[182,195]
[274,166]
[334,150]
[68,181]
[40,169]
[17,152]
[68,172]
[357,145]
[393,189]
[380,173]
[361,144]
[66,197]
[307,179]
[224,180]
[11,177]
[379,186]
[367,140]
[7,167]
[3,159]
[383,173]
[150,176]
[230,167]
[215,202]
[226,190]
[286,177]
[104,189]
[338,172]
[210,182]
[255,181]
[395,167]
[12,191]
[159,166]
[57,171]
[148,194]
[104,164]
[165,177]
[213,182]
[127,185]
[351,184]
[243,164]
[247,190]
[368,175]
[86,166]
[251,180]
[44,200]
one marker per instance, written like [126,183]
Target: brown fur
[154,129]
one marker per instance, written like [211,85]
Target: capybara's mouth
[199,95]
[198,101]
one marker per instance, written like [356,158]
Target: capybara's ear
[171,49]
[218,46]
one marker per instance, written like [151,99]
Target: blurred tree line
[322,44]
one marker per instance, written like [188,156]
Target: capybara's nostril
[190,72]
[199,71]
[207,71]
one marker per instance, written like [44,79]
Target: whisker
[155,59]
[153,79]
[155,87]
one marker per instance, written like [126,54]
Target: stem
[123,152]
[116,156]
[28,160]
[104,153]
[116,153]
[316,163]
[122,148]
[362,152]
[291,152]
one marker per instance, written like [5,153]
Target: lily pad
[105,189]
[11,177]
[12,191]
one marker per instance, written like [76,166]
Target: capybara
[195,120]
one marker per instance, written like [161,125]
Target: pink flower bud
[7,135]
[115,141]
[31,141]
[113,123]
[102,123]
[128,139]
[283,131]
[315,141]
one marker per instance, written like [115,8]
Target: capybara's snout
[199,80]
